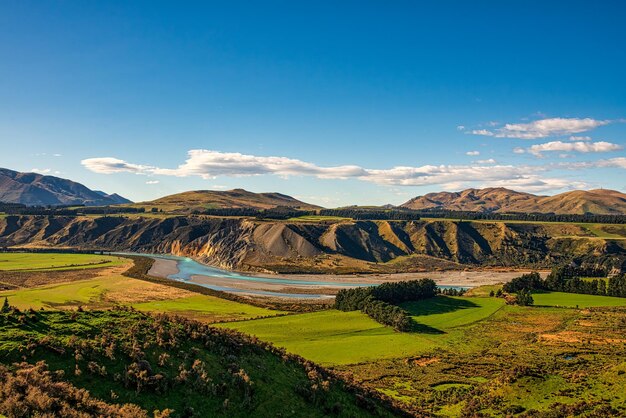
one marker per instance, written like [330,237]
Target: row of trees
[539,217]
[18,209]
[570,279]
[373,214]
[380,302]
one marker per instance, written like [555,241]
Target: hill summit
[236,198]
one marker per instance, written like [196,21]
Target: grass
[111,290]
[445,312]
[185,366]
[30,262]
[334,337]
[573,300]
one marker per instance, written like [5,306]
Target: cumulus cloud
[519,150]
[152,182]
[472,153]
[579,138]
[543,128]
[210,164]
[580,146]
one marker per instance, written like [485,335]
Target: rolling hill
[213,199]
[33,189]
[493,200]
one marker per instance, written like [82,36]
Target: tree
[524,298]
[5,306]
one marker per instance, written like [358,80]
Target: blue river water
[188,268]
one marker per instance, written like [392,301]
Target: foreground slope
[600,201]
[33,189]
[157,363]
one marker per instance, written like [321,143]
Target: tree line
[514,216]
[19,209]
[569,279]
[380,302]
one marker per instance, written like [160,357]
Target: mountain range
[33,189]
[501,200]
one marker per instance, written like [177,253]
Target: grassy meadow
[30,262]
[333,337]
[573,300]
[111,290]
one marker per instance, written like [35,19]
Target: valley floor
[470,356]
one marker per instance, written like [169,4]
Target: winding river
[185,269]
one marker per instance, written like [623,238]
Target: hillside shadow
[437,305]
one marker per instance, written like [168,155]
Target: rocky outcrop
[361,245]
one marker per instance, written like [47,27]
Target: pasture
[111,290]
[32,262]
[575,300]
[333,337]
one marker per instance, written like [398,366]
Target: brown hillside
[237,198]
[599,201]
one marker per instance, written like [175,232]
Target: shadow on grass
[437,305]
[425,329]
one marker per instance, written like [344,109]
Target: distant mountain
[237,198]
[34,189]
[489,200]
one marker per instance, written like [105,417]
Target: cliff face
[351,246]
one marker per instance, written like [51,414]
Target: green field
[31,262]
[573,300]
[206,306]
[335,337]
[108,291]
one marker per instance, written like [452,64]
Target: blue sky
[333,102]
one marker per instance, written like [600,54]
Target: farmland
[571,300]
[29,262]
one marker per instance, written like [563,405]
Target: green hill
[133,364]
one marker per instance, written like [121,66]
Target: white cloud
[110,165]
[618,162]
[41,170]
[152,182]
[579,138]
[519,150]
[472,153]
[57,155]
[210,164]
[543,128]
[580,146]
[460,128]
[483,132]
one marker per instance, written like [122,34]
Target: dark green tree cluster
[530,281]
[568,279]
[524,298]
[380,302]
